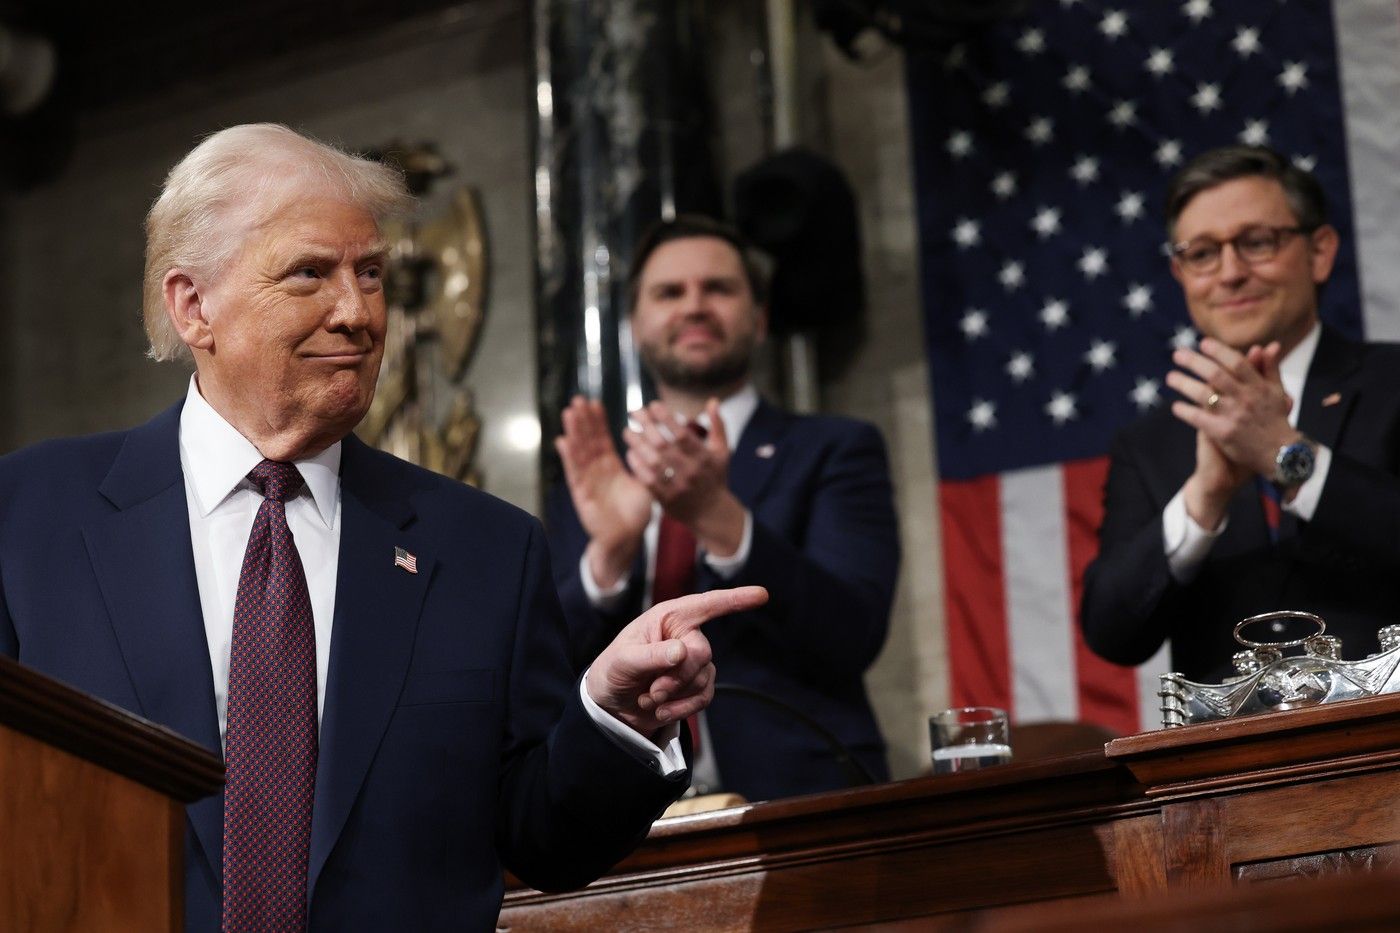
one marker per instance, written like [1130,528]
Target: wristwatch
[1294,463]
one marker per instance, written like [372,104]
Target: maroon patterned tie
[270,747]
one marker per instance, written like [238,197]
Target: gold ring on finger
[1213,401]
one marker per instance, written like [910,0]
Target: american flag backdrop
[1041,152]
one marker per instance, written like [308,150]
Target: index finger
[1228,357]
[688,613]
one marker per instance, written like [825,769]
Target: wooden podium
[92,816]
[1177,813]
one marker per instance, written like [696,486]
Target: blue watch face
[1295,464]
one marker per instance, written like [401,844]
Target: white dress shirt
[223,503]
[1186,542]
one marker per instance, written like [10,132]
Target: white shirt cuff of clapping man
[1186,543]
[664,756]
[607,599]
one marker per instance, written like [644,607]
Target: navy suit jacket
[826,545]
[1344,564]
[452,741]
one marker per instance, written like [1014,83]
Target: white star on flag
[1294,77]
[1004,185]
[1032,42]
[1076,79]
[1040,131]
[982,415]
[1123,114]
[974,323]
[1138,300]
[1012,276]
[1102,355]
[1060,408]
[960,144]
[1054,314]
[967,233]
[1020,367]
[1168,153]
[1196,10]
[997,95]
[1093,263]
[1184,338]
[1159,62]
[1206,98]
[1246,42]
[1113,24]
[1306,163]
[1129,206]
[1255,133]
[1046,222]
[1145,394]
[1085,169]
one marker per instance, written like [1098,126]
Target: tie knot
[277,480]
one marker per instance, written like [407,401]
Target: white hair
[230,183]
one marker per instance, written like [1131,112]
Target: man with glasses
[1271,483]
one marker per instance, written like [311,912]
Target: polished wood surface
[1286,796]
[106,735]
[92,813]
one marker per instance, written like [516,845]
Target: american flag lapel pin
[764,451]
[405,560]
[1331,400]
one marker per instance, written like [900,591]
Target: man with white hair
[377,651]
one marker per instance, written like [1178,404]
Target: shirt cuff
[604,600]
[1304,502]
[665,758]
[1186,543]
[728,567]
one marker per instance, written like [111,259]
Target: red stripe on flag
[979,658]
[1107,691]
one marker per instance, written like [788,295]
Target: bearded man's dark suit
[1344,564]
[825,544]
[453,738]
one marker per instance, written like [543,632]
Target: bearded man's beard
[717,373]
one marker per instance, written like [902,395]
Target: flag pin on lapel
[405,560]
[764,451]
[1331,400]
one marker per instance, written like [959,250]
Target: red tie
[675,573]
[1269,502]
[270,748]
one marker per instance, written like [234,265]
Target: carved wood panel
[1320,864]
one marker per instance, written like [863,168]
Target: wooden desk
[92,811]
[1297,794]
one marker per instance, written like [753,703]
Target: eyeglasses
[1253,245]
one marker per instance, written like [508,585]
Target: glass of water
[966,738]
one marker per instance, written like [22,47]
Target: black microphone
[857,774]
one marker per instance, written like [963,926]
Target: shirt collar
[1293,369]
[735,411]
[216,458]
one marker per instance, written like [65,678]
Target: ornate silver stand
[1267,680]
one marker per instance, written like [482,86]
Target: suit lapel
[142,558]
[377,605]
[1329,394]
[752,463]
